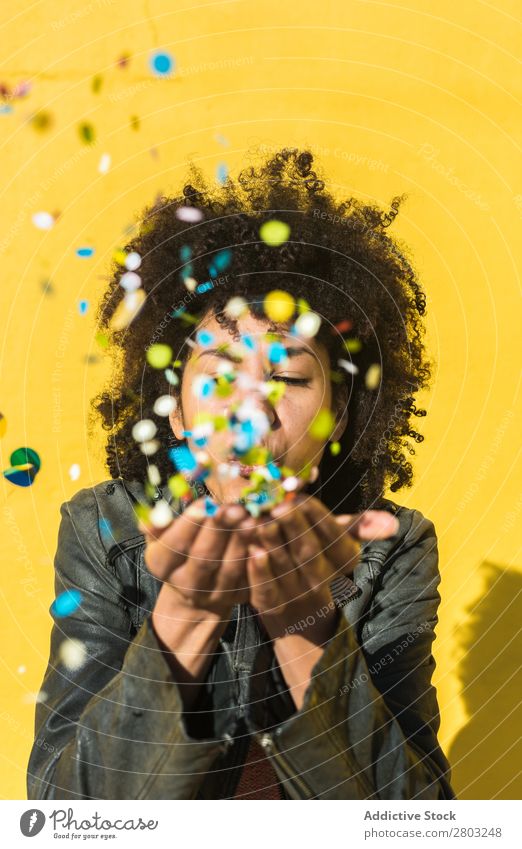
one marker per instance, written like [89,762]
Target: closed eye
[293,381]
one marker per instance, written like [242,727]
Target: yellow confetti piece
[178,486]
[322,425]
[335,448]
[127,310]
[372,377]
[274,232]
[3,425]
[353,345]
[279,305]
[159,356]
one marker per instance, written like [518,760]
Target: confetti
[42,121]
[43,220]
[123,61]
[348,366]
[307,324]
[149,447]
[236,307]
[105,530]
[21,670]
[25,464]
[161,514]
[144,430]
[178,486]
[84,253]
[132,261]
[204,338]
[203,386]
[134,122]
[342,326]
[130,281]
[66,603]
[277,353]
[171,377]
[353,345]
[36,698]
[221,173]
[161,63]
[274,233]
[183,458]
[335,448]
[105,163]
[83,306]
[279,305]
[3,425]
[322,425]
[72,653]
[159,356]
[189,214]
[74,472]
[372,378]
[127,310]
[153,475]
[86,133]
[164,405]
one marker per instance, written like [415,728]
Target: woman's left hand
[301,548]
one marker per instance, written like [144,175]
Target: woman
[265,631]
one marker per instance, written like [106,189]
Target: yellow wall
[394,97]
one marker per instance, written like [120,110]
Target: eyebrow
[221,352]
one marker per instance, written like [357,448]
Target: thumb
[370,525]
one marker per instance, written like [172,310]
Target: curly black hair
[339,257]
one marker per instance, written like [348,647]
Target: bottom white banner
[216,824]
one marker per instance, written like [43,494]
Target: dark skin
[281,564]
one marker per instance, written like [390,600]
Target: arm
[368,724]
[114,728]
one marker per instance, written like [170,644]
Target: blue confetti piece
[274,470]
[183,458]
[84,252]
[162,63]
[204,338]
[83,306]
[204,287]
[185,253]
[222,259]
[277,353]
[210,507]
[105,530]
[212,271]
[221,172]
[5,109]
[66,603]
[249,342]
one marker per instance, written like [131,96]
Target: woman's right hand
[200,559]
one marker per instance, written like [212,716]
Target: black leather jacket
[116,728]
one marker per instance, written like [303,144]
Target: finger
[370,525]
[341,549]
[172,548]
[232,576]
[271,537]
[207,552]
[304,544]
[261,579]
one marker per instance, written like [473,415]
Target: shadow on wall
[487,753]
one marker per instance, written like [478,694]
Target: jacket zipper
[286,773]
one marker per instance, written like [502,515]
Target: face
[304,374]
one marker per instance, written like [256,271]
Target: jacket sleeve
[113,728]
[368,725]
